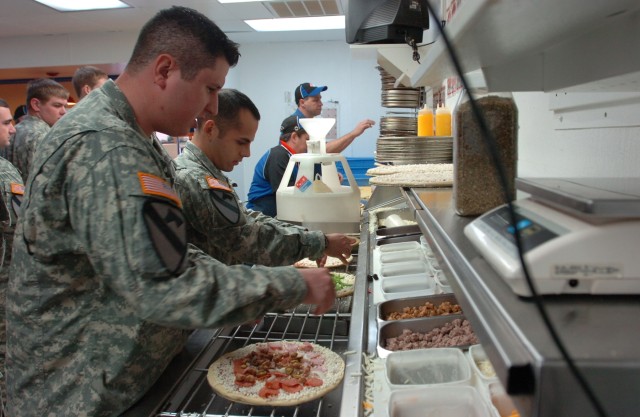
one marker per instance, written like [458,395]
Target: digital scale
[579,236]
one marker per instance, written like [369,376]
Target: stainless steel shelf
[601,333]
[542,45]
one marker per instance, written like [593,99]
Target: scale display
[564,254]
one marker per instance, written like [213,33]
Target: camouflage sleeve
[234,237]
[134,235]
[276,243]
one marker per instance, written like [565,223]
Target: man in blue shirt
[270,168]
[309,101]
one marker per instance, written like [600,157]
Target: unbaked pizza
[344,283]
[331,263]
[282,373]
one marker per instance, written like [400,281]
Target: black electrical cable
[495,156]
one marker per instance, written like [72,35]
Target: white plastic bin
[435,366]
[455,401]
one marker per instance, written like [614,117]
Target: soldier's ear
[209,126]
[35,104]
[164,65]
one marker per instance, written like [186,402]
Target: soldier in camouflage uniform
[103,282]
[46,101]
[10,200]
[216,221]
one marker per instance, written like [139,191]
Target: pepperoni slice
[267,392]
[238,367]
[244,384]
[313,382]
[292,389]
[290,382]
[273,384]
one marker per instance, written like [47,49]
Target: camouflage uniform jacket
[10,201]
[29,133]
[103,282]
[218,224]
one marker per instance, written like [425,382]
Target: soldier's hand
[339,246]
[320,289]
[321,261]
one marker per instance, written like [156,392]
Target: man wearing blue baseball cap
[309,101]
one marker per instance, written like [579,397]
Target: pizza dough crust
[222,379]
[409,168]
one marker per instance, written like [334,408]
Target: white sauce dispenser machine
[318,199]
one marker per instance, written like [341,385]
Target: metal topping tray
[392,329]
[391,306]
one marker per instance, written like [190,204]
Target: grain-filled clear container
[476,185]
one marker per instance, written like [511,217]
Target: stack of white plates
[402,150]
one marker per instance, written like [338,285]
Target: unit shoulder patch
[215,183]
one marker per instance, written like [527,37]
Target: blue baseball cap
[289,125]
[308,90]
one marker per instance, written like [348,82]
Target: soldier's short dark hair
[44,89]
[3,103]
[230,102]
[87,75]
[187,35]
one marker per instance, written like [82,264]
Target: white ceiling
[24,19]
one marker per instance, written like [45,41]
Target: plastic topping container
[403,269]
[455,401]
[407,369]
[402,256]
[480,364]
[402,246]
[408,284]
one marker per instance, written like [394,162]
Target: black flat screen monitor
[386,21]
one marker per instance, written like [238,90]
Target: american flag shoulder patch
[154,185]
[17,188]
[213,182]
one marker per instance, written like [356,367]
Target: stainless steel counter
[601,333]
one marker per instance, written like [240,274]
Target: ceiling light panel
[304,8]
[297,23]
[79,5]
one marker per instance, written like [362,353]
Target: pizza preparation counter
[183,390]
[601,333]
